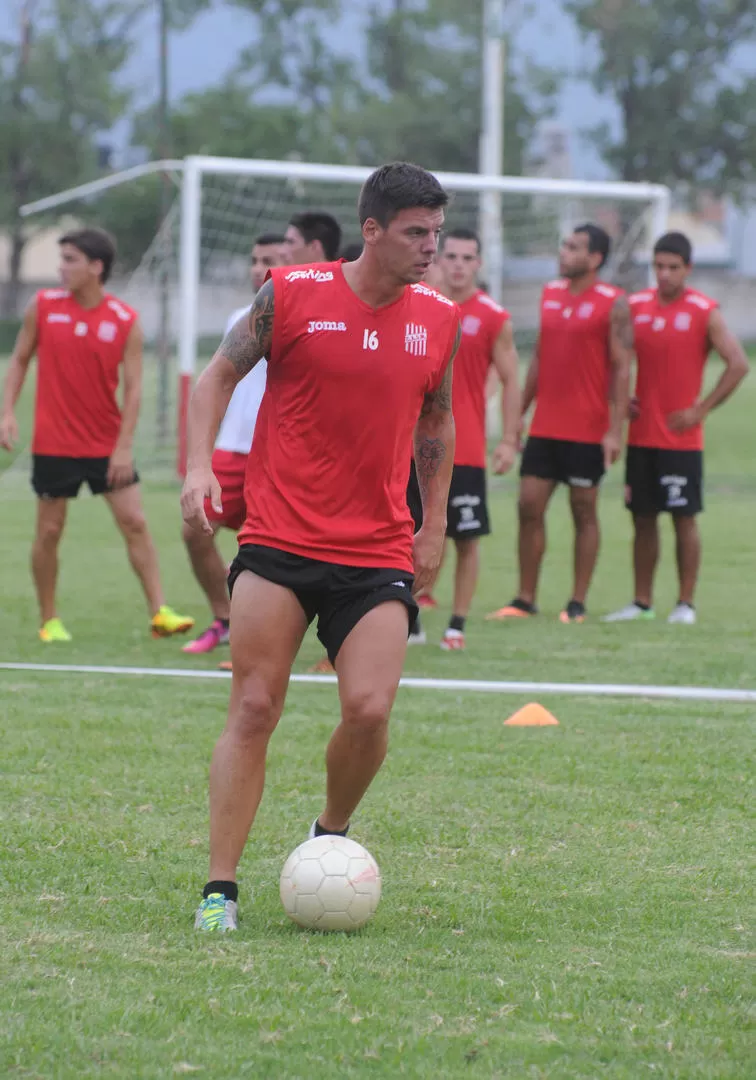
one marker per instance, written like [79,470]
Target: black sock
[229,889]
[417,627]
[457,622]
[523,605]
[320,831]
[225,623]
[643,607]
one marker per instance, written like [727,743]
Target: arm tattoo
[440,399]
[621,322]
[249,340]
[429,456]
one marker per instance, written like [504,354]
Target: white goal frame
[195,168]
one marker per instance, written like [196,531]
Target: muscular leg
[51,517]
[369,666]
[688,552]
[466,575]
[126,505]
[209,569]
[645,556]
[534,498]
[587,538]
[269,625]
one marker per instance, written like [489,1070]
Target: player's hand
[685,418]
[200,484]
[504,457]
[633,408]
[429,550]
[8,431]
[612,447]
[120,468]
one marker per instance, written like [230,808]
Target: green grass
[559,903]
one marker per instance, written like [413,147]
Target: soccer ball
[330,883]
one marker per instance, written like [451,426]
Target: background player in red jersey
[487,341]
[675,329]
[83,337]
[359,356]
[579,379]
[229,465]
[312,236]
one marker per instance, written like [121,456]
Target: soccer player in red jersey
[675,329]
[487,341]
[229,465]
[579,379]
[359,357]
[84,338]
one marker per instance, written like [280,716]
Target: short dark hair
[267,239]
[317,225]
[461,234]
[675,243]
[599,240]
[95,244]
[396,187]
[351,252]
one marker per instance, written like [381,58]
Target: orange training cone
[532,715]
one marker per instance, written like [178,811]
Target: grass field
[571,902]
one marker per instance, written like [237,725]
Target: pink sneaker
[453,641]
[215,635]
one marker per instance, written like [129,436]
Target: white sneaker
[683,613]
[313,835]
[453,640]
[629,613]
[417,639]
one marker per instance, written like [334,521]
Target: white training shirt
[238,425]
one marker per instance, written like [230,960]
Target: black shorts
[467,508]
[339,595]
[576,464]
[659,481]
[61,477]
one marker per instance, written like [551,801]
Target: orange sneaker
[518,609]
[426,600]
[225,665]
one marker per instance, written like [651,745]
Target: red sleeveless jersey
[572,396]
[672,347]
[79,353]
[482,320]
[327,473]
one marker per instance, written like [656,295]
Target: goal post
[223,203]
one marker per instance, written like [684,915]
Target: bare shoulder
[250,339]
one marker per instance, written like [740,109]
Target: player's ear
[371,230]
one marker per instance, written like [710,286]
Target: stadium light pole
[491,151]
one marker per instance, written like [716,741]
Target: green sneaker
[54,630]
[216,913]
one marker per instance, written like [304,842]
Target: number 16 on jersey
[370,340]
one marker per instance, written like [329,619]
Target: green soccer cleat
[216,913]
[54,630]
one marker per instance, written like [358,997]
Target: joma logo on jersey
[310,275]
[314,327]
[415,339]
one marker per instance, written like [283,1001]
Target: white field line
[671,693]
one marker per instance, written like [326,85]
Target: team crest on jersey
[415,339]
[585,311]
[470,325]
[107,331]
[310,275]
[683,320]
[81,329]
[659,323]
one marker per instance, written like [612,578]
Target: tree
[686,115]
[57,93]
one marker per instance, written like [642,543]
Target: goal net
[189,274]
